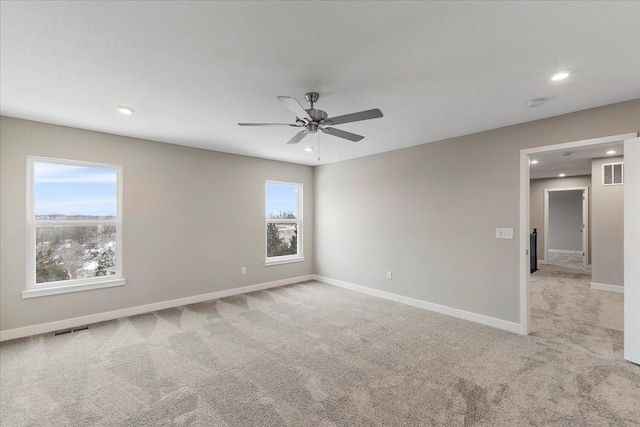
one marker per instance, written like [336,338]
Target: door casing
[631,235]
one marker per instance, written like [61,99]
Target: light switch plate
[504,233]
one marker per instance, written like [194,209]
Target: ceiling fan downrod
[312,98]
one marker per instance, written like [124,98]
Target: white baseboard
[608,288]
[563,251]
[442,309]
[44,328]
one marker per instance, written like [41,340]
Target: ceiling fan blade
[267,124]
[342,134]
[354,117]
[297,137]
[297,109]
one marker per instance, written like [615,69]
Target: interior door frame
[632,250]
[585,221]
[632,326]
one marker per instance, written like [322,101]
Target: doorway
[566,226]
[631,235]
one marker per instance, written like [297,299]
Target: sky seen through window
[74,190]
[281,198]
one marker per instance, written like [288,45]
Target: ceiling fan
[313,120]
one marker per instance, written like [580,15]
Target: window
[74,222]
[613,174]
[283,211]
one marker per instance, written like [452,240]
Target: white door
[632,250]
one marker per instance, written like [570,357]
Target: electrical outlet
[244,270]
[389,275]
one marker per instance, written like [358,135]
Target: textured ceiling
[192,70]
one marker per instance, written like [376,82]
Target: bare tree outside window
[283,220]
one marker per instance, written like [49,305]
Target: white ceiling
[192,70]
[572,162]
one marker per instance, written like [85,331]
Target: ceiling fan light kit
[313,120]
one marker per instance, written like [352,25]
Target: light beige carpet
[573,261]
[312,354]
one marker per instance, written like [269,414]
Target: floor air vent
[68,331]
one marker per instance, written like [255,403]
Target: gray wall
[565,220]
[192,219]
[536,203]
[429,213]
[608,228]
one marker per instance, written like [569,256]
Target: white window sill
[63,289]
[283,260]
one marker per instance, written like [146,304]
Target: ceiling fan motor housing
[317,116]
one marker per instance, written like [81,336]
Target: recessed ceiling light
[611,152]
[534,162]
[560,76]
[562,175]
[125,110]
[308,149]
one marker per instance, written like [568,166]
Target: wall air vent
[613,174]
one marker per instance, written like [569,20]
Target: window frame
[34,289]
[285,259]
